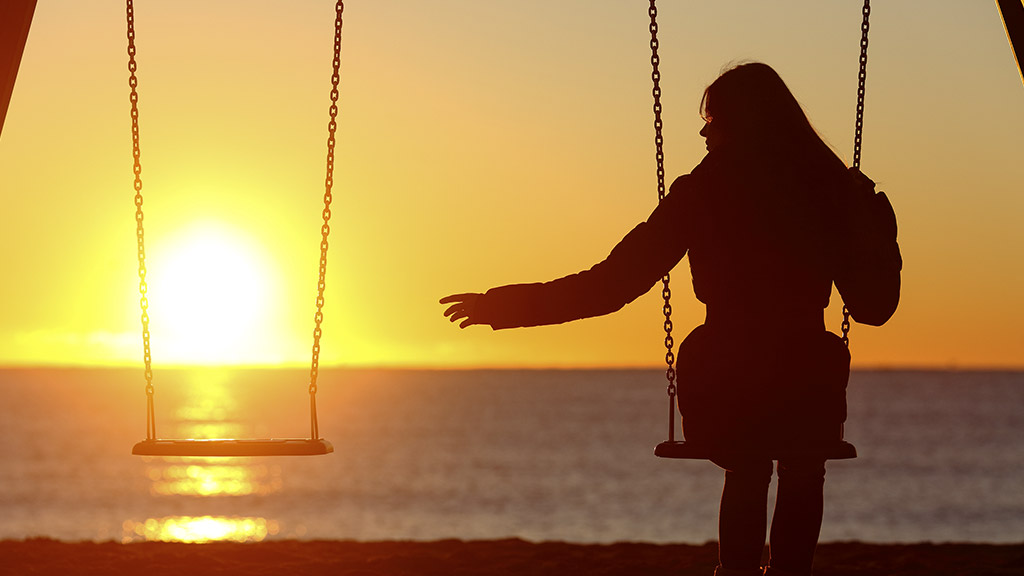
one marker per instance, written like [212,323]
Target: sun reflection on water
[196,529]
[209,397]
[210,477]
[217,478]
[208,410]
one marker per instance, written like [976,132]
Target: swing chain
[666,291]
[859,127]
[861,80]
[133,82]
[325,229]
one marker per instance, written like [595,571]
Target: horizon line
[479,367]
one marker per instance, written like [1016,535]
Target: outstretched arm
[636,263]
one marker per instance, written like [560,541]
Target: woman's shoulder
[700,173]
[714,170]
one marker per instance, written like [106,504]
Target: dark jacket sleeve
[636,263]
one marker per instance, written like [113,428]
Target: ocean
[423,455]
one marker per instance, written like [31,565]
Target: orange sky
[480,143]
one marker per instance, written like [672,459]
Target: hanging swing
[154,446]
[672,448]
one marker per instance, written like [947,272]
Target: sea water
[540,455]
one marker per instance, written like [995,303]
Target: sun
[211,292]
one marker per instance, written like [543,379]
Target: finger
[467,322]
[454,308]
[456,312]
[456,298]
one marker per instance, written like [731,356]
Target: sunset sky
[480,143]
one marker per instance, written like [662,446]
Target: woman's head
[750,103]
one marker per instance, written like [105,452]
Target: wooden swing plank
[216,447]
[689,451]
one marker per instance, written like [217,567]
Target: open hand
[463,307]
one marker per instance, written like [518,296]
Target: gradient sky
[480,143]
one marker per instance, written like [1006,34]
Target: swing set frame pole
[15,21]
[1012,13]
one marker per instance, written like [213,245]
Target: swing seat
[841,450]
[230,447]
[216,447]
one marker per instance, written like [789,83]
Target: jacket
[764,232]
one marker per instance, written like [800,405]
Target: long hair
[751,104]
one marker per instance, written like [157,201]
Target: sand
[478,558]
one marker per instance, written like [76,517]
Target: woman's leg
[797,520]
[743,518]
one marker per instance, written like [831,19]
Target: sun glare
[210,293]
[199,529]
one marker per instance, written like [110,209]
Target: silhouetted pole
[15,20]
[1012,12]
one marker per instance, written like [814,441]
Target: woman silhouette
[762,219]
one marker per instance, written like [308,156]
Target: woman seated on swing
[761,218]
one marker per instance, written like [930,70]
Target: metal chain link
[861,80]
[859,127]
[325,230]
[133,82]
[666,291]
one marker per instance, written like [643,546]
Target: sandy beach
[480,558]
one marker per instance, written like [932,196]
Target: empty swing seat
[217,447]
[231,447]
